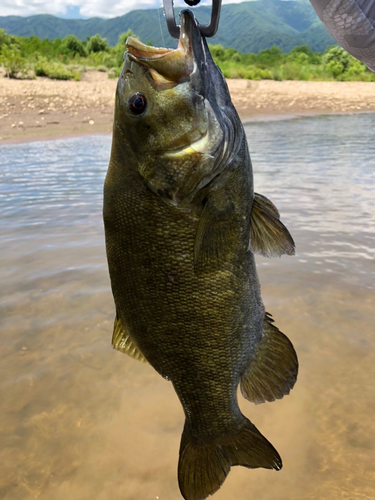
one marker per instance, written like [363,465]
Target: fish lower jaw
[199,146]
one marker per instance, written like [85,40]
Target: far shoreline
[245,120]
[42,109]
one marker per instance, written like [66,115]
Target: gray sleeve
[352,25]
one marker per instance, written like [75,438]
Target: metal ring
[207,30]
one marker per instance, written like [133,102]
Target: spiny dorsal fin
[268,236]
[273,370]
[122,341]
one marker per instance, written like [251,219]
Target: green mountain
[247,26]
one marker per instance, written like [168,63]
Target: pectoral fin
[122,341]
[273,371]
[268,236]
[214,234]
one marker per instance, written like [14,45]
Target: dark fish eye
[137,103]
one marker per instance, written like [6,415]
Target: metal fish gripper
[207,30]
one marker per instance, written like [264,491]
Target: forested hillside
[246,27]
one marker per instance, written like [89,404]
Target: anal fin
[122,341]
[268,236]
[273,370]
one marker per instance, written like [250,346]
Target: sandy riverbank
[42,108]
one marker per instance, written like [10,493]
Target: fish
[182,225]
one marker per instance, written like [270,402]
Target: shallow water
[82,421]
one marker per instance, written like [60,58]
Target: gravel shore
[44,109]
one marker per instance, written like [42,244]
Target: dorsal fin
[268,235]
[122,341]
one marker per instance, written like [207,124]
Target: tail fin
[202,468]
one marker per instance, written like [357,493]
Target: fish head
[168,122]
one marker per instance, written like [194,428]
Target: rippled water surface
[81,421]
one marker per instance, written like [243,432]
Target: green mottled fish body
[182,222]
[177,316]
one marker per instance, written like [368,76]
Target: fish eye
[137,103]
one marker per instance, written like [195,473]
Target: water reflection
[82,421]
[320,174]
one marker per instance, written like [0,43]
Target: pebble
[91,122]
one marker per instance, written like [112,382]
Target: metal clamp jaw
[208,30]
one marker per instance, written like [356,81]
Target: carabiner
[207,30]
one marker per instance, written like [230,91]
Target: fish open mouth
[167,65]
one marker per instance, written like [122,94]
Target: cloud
[102,8]
[87,8]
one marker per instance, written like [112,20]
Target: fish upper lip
[173,64]
[143,52]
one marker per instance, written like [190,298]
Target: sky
[78,9]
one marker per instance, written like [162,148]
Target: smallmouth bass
[182,223]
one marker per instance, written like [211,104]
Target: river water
[81,421]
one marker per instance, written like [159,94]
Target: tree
[4,38]
[337,60]
[7,40]
[269,56]
[71,45]
[304,49]
[97,44]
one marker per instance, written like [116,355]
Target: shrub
[102,59]
[298,57]
[249,72]
[15,65]
[54,70]
[358,71]
[294,71]
[335,68]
